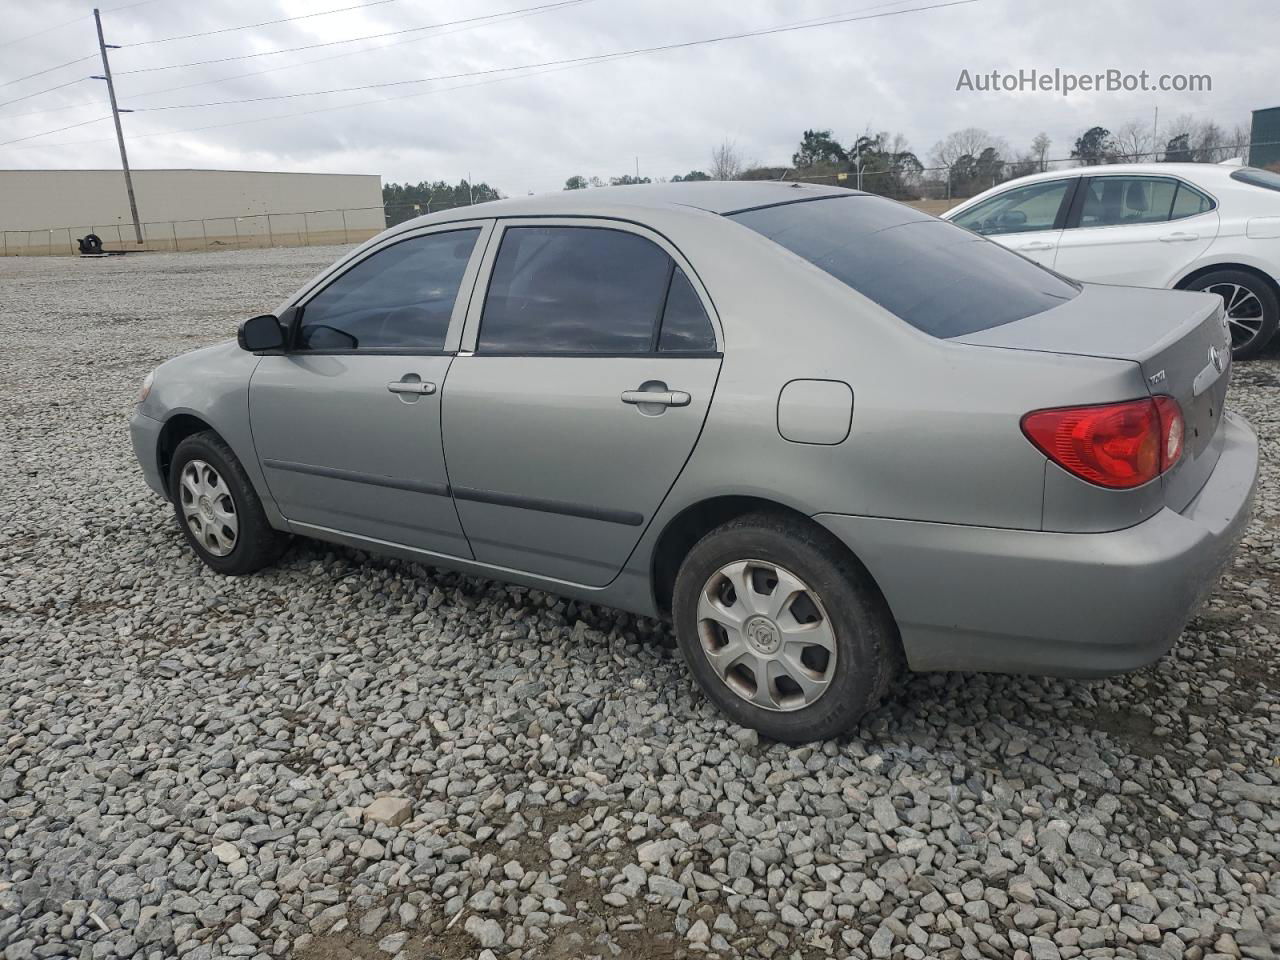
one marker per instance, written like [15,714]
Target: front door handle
[411,386]
[1179,237]
[1036,245]
[664,398]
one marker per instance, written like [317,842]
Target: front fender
[212,385]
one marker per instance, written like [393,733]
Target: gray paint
[815,411]
[935,488]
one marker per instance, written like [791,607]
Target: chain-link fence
[310,228]
[932,189]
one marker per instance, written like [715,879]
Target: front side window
[1020,210]
[934,275]
[400,298]
[587,290]
[1121,201]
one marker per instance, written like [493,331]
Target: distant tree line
[961,164]
[404,201]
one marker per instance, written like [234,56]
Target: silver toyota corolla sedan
[826,434]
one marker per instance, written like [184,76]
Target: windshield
[938,277]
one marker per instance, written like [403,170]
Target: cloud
[667,109]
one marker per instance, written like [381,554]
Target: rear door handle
[411,386]
[666,398]
[1179,237]
[1037,245]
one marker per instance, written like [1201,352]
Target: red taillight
[1117,445]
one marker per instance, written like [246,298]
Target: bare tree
[726,161]
[1241,137]
[1040,150]
[1210,143]
[965,143]
[1134,141]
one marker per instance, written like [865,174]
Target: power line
[46,90]
[552,67]
[463,26]
[469,23]
[593,58]
[306,113]
[41,33]
[79,19]
[40,73]
[72,126]
[253,26]
[334,43]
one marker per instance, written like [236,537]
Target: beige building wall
[45,211]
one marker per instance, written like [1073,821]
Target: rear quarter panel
[935,432]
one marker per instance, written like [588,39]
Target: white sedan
[1185,226]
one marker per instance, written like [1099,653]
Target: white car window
[1020,210]
[1119,201]
[1189,202]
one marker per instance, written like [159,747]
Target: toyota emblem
[1215,358]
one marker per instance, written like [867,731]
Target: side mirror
[261,333]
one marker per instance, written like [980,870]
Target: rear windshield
[936,276]
[1257,178]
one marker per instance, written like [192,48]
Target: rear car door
[586,373]
[1135,230]
[1028,219]
[346,420]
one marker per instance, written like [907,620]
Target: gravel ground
[357,757]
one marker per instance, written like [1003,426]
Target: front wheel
[783,630]
[218,509]
[1252,310]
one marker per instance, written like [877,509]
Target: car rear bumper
[145,433]
[1013,601]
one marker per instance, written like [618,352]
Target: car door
[1135,230]
[593,357]
[346,420]
[1027,218]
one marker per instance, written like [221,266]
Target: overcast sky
[529,132]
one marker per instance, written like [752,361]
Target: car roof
[712,196]
[1188,171]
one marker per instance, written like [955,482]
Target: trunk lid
[1179,340]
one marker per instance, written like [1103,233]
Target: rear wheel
[782,629]
[218,509]
[1252,309]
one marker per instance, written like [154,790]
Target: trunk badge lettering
[1157,377]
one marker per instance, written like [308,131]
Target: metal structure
[103,46]
[1265,150]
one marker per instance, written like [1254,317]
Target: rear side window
[400,298]
[1189,202]
[1257,178]
[685,327]
[589,290]
[1120,201]
[938,277]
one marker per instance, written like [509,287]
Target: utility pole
[103,46]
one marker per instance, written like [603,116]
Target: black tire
[256,544]
[868,651]
[1245,344]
